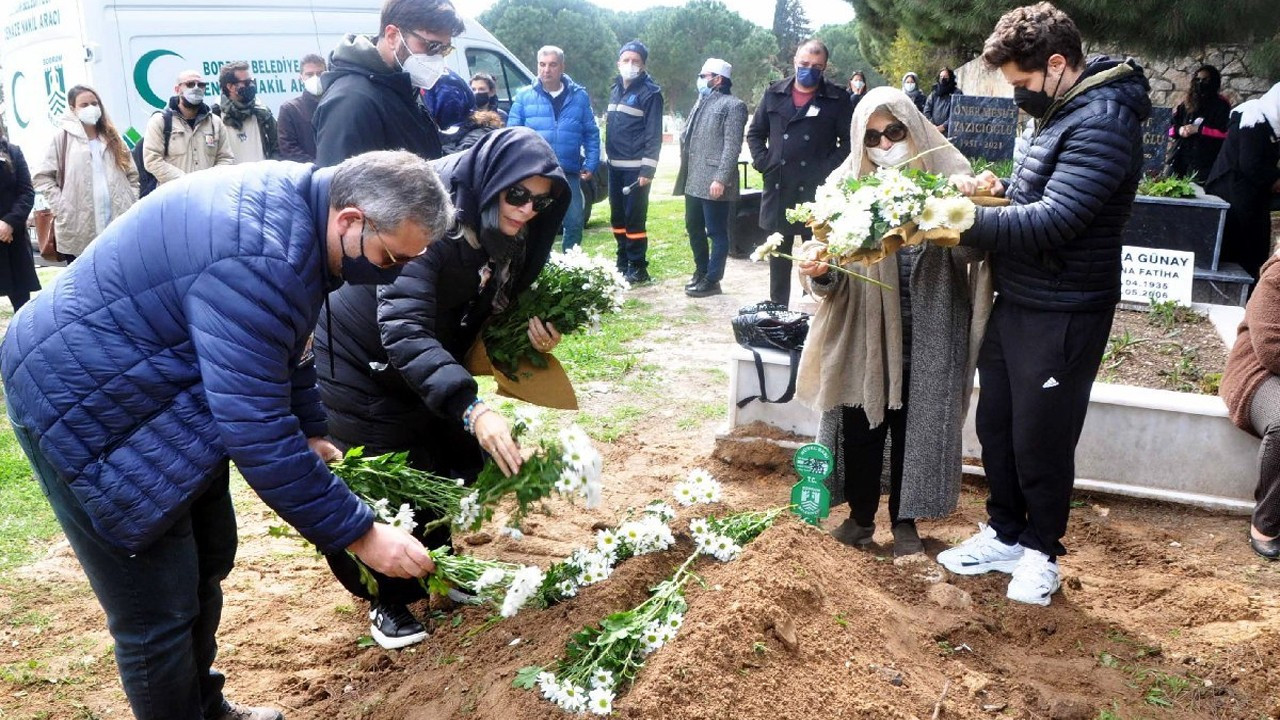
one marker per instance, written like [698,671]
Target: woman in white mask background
[870,349]
[87,176]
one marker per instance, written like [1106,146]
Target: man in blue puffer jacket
[560,111]
[1055,257]
[181,339]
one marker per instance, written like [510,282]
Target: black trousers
[781,269]
[864,461]
[1036,369]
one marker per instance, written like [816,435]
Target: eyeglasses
[519,195]
[434,47]
[390,255]
[896,132]
[245,83]
[195,84]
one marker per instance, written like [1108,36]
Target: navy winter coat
[1057,245]
[633,136]
[572,134]
[177,340]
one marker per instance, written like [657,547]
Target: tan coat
[1255,357]
[190,149]
[71,200]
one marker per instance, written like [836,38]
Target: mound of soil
[1184,354]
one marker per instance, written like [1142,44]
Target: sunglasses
[395,260]
[896,132]
[434,47]
[518,195]
[195,84]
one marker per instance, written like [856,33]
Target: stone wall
[1169,78]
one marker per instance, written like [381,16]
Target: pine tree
[790,27]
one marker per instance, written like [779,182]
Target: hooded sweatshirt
[368,105]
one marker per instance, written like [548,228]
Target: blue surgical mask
[360,270]
[703,87]
[809,76]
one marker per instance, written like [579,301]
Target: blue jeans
[163,604]
[703,218]
[573,218]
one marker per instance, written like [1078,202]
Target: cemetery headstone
[984,127]
[1155,140]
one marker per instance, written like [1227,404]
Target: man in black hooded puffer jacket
[1055,257]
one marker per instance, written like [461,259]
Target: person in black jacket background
[297,133]
[1055,257]
[17,196]
[938,107]
[371,91]
[390,361]
[1199,126]
[1246,175]
[797,136]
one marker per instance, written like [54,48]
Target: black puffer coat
[398,382]
[1057,246]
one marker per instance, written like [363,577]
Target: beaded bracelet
[479,412]
[466,414]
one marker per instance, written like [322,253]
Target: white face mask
[424,70]
[892,157]
[858,85]
[313,85]
[89,114]
[628,71]
[703,84]
[193,96]
[908,87]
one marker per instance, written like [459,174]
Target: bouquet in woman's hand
[573,292]
[868,218]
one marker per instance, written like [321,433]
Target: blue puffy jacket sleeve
[1094,160]
[590,137]
[245,352]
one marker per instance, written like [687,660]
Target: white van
[131,52]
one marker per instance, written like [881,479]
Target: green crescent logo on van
[142,71]
[13,90]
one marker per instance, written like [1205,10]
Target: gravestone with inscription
[983,127]
[1155,140]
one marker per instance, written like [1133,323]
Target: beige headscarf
[853,354]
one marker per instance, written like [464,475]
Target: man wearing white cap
[708,178]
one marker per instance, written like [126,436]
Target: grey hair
[552,50]
[392,186]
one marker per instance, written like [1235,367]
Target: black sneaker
[236,711]
[705,288]
[639,276]
[394,627]
[906,540]
[693,281]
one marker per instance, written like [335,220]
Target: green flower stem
[833,266]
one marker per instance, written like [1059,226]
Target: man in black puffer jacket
[1055,256]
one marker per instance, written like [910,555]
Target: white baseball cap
[717,66]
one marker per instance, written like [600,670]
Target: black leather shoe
[906,541]
[693,281]
[704,288]
[638,276]
[1269,549]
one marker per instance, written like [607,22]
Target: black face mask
[248,93]
[946,86]
[482,100]
[1202,88]
[360,270]
[1035,103]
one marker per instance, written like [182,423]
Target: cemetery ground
[1164,613]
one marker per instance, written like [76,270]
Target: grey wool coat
[710,145]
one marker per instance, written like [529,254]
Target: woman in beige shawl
[870,348]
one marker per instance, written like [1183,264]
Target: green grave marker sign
[810,498]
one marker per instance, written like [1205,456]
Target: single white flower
[601,679]
[607,542]
[698,527]
[674,621]
[932,215]
[600,701]
[468,510]
[488,578]
[767,248]
[685,494]
[572,698]
[698,476]
[548,685]
[513,533]
[961,214]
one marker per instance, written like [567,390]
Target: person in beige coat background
[100,181]
[197,141]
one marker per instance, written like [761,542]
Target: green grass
[26,520]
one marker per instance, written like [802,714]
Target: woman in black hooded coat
[389,358]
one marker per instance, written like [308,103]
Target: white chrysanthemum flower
[468,510]
[961,213]
[674,621]
[932,215]
[685,494]
[488,578]
[660,510]
[549,686]
[527,419]
[600,701]
[524,584]
[607,542]
[698,527]
[567,588]
[631,533]
[572,698]
[698,476]
[601,679]
[767,248]
[652,637]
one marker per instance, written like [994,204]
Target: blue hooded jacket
[572,135]
[178,339]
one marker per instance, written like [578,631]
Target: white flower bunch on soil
[723,538]
[574,292]
[699,487]
[506,586]
[649,533]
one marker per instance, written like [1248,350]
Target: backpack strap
[791,382]
[168,130]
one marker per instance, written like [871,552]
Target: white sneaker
[980,554]
[1035,579]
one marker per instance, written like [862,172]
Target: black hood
[358,55]
[475,177]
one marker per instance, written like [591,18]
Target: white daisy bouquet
[649,533]
[698,487]
[506,586]
[600,660]
[723,538]
[866,219]
[573,292]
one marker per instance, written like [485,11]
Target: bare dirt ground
[1165,612]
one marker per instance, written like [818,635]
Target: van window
[509,77]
